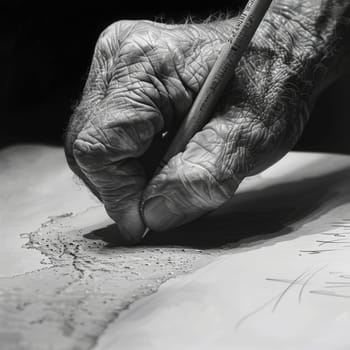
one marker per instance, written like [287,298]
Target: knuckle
[123,35]
[116,30]
[107,138]
[108,48]
[89,156]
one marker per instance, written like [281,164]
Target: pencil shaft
[218,77]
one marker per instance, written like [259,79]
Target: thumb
[200,179]
[208,172]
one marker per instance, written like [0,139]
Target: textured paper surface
[64,283]
[291,291]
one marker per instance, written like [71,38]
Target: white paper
[287,292]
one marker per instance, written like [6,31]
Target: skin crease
[143,79]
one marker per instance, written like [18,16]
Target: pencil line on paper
[294,282]
[312,275]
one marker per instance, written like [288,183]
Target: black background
[46,49]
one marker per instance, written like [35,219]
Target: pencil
[219,76]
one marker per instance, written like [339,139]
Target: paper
[62,286]
[62,278]
[291,291]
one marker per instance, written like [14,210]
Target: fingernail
[157,214]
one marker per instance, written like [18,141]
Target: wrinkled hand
[143,79]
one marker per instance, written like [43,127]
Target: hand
[145,76]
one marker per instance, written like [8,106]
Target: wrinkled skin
[145,76]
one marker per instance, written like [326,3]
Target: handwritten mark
[294,282]
[329,293]
[318,251]
[312,275]
[277,299]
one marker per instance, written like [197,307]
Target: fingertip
[130,224]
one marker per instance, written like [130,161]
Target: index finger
[105,151]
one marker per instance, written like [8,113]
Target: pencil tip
[145,232]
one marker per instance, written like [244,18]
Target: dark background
[46,49]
